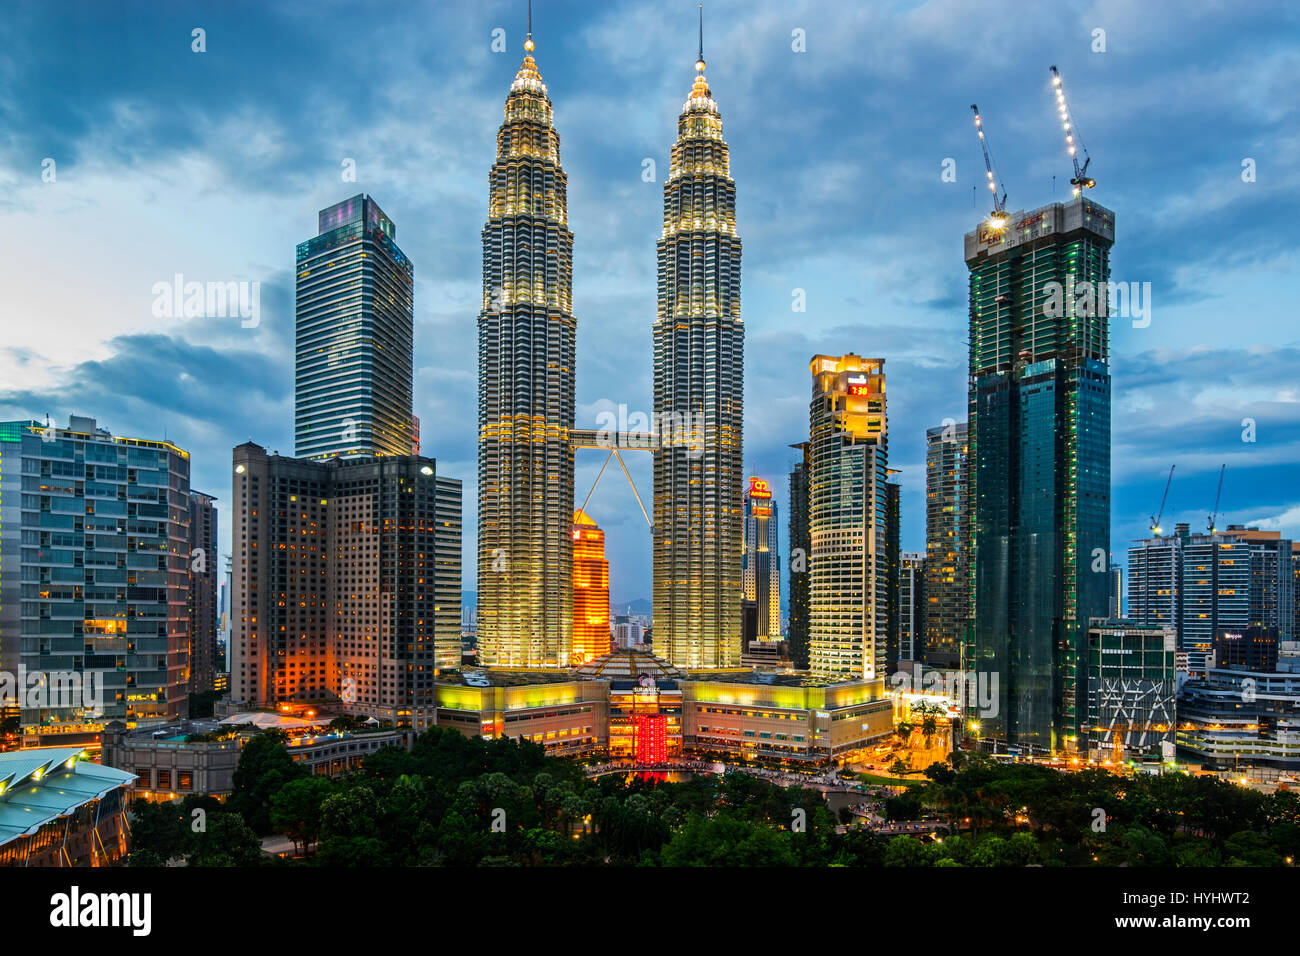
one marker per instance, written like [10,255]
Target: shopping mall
[634,705]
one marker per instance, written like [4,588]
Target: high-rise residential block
[911,607]
[203,617]
[341,571]
[1039,446]
[354,336]
[1204,584]
[847,518]
[526,332]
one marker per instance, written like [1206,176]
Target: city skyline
[211,382]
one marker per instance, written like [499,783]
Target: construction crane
[998,218]
[1214,517]
[1155,518]
[1081,180]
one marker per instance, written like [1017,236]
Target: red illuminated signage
[651,738]
[758,488]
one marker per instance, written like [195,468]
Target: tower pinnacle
[699,62]
[528,41]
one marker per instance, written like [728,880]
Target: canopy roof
[45,783]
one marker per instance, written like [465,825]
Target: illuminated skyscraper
[525,401]
[203,593]
[95,579]
[346,583]
[761,567]
[1039,446]
[590,590]
[947,533]
[355,321]
[848,505]
[699,381]
[800,550]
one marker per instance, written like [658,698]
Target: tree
[906,851]
[929,727]
[1247,848]
[226,841]
[157,832]
[902,807]
[727,841]
[296,809]
[264,767]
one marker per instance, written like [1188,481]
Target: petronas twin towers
[526,333]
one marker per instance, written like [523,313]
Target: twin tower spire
[526,363]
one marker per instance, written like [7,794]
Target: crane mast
[1155,518]
[998,218]
[1081,180]
[1215,516]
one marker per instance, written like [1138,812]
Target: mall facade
[633,705]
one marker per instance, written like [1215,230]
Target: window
[164,779]
[185,780]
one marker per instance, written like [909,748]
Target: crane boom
[998,218]
[1214,517]
[1155,518]
[1081,180]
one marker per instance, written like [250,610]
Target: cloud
[214,165]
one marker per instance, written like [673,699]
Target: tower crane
[998,218]
[1155,518]
[1081,180]
[1214,517]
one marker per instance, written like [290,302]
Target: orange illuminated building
[590,590]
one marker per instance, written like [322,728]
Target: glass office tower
[94,578]
[354,334]
[1039,447]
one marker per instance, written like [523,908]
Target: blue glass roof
[43,784]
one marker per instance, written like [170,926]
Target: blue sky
[214,165]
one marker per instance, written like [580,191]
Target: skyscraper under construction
[1039,463]
[698,385]
[526,335]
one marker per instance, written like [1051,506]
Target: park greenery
[454,800]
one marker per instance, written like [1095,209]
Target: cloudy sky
[213,165]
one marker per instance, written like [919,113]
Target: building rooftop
[494,677]
[45,783]
[629,664]
[767,678]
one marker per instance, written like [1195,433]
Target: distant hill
[639,606]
